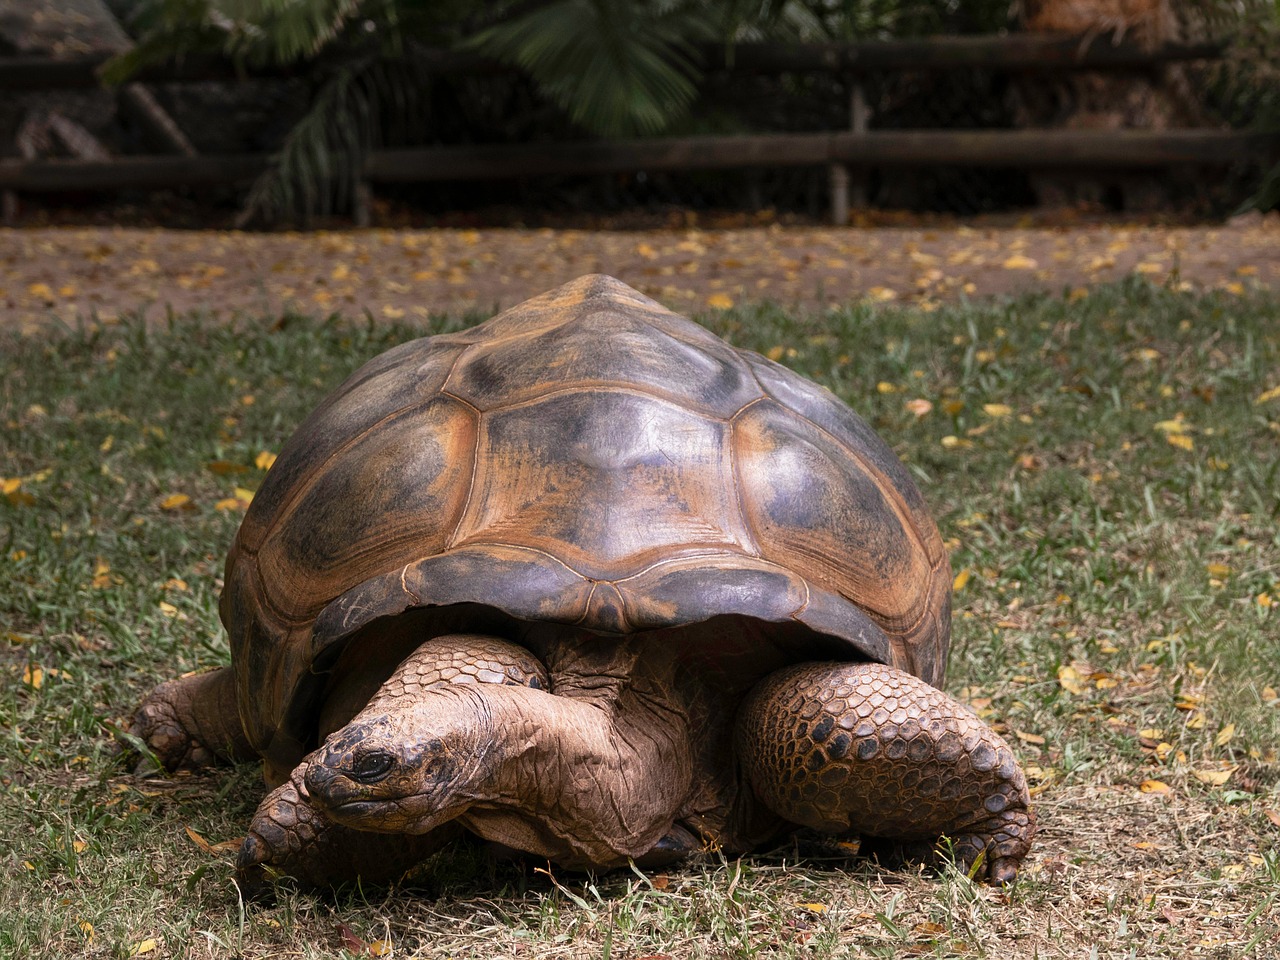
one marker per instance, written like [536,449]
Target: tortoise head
[405,772]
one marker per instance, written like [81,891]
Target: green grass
[1114,622]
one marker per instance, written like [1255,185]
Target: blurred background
[633,112]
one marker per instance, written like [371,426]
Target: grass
[1110,491]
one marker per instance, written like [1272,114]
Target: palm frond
[317,167]
[617,67]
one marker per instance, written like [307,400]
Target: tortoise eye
[372,767]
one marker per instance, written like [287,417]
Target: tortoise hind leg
[192,721]
[862,747]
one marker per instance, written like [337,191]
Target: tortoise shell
[586,457]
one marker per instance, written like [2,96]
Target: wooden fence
[857,148]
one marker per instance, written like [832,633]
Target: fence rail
[1005,52]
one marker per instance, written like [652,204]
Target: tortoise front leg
[192,721]
[844,747]
[291,836]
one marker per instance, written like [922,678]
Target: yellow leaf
[175,501]
[1225,735]
[244,496]
[225,468]
[775,353]
[392,313]
[33,677]
[997,409]
[1214,778]
[175,583]
[168,609]
[1181,440]
[1176,425]
[265,460]
[1195,721]
[79,846]
[1032,738]
[720,301]
[1218,570]
[380,948]
[227,504]
[101,574]
[1149,266]
[884,386]
[1268,395]
[340,272]
[918,407]
[881,293]
[41,290]
[1265,600]
[9,486]
[199,841]
[142,947]
[954,443]
[961,579]
[1019,262]
[87,929]
[1070,679]
[1154,786]
[813,907]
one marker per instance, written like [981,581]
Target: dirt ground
[53,274]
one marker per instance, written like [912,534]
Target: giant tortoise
[590,583]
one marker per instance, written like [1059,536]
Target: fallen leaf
[1181,441]
[228,503]
[1019,262]
[997,409]
[264,460]
[719,301]
[380,948]
[813,907]
[1214,778]
[1268,395]
[1154,786]
[884,386]
[199,841]
[175,501]
[33,676]
[918,407]
[960,580]
[142,947]
[87,929]
[1176,425]
[1272,816]
[1224,735]
[225,467]
[1032,738]
[1071,680]
[956,443]
[1218,570]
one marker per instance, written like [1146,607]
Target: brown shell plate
[586,457]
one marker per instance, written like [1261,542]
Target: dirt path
[51,274]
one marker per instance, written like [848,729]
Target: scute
[602,340]
[607,481]
[394,495]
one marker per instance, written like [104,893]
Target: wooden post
[838,175]
[362,204]
[859,122]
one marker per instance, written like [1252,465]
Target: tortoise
[588,582]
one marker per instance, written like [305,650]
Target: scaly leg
[192,721]
[843,747]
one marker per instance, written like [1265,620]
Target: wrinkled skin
[473,732]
